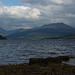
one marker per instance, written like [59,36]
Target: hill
[14,31]
[48,30]
[1,37]
[3,32]
[72,36]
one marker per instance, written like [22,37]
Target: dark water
[19,51]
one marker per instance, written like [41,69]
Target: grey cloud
[54,10]
[48,2]
[11,23]
[37,13]
[12,17]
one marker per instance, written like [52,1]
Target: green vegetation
[38,37]
[53,66]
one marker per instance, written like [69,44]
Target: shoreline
[40,66]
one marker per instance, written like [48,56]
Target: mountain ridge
[14,31]
[48,30]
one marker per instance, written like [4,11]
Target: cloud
[19,12]
[12,17]
[37,12]
[54,10]
[46,2]
[70,15]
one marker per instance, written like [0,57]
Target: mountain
[3,32]
[48,30]
[1,37]
[72,36]
[14,31]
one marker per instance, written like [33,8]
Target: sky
[26,14]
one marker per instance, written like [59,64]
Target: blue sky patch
[11,3]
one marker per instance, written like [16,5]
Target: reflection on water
[19,51]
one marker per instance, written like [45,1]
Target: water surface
[19,51]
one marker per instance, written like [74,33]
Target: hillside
[3,32]
[48,30]
[69,36]
[14,31]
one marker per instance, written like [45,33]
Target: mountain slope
[14,31]
[1,37]
[72,36]
[3,32]
[49,30]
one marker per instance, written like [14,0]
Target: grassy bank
[40,66]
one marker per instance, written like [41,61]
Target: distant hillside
[3,32]
[48,30]
[14,31]
[1,37]
[69,36]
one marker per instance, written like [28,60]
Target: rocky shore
[40,66]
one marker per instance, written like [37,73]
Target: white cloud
[24,27]
[63,1]
[56,20]
[19,12]
[70,15]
